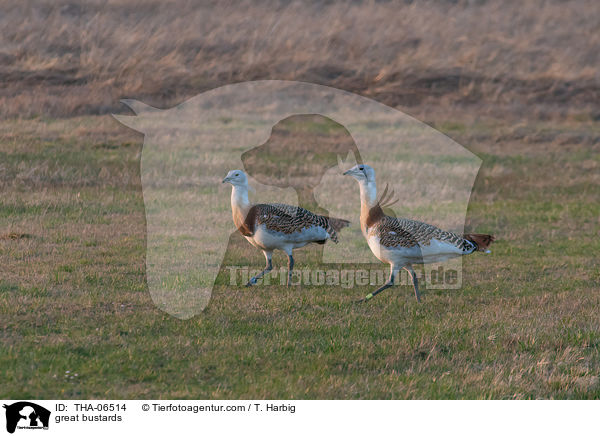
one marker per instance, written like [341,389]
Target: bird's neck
[240,205]
[368,199]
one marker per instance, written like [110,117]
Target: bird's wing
[287,219]
[394,232]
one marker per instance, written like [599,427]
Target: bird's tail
[335,225]
[482,242]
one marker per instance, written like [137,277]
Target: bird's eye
[236,174]
[362,168]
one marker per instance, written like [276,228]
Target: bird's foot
[364,300]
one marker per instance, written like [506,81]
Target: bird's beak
[225,180]
[347,173]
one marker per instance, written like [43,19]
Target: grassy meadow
[73,291]
[74,298]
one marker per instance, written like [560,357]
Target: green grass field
[74,300]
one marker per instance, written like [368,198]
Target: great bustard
[403,242]
[272,227]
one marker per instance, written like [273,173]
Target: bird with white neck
[276,226]
[403,242]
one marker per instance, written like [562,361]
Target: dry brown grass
[535,59]
[73,292]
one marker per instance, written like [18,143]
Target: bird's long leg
[415,281]
[388,284]
[268,267]
[290,268]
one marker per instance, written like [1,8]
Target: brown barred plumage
[403,232]
[277,226]
[289,219]
[402,242]
[482,241]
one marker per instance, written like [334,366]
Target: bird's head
[236,178]
[361,172]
